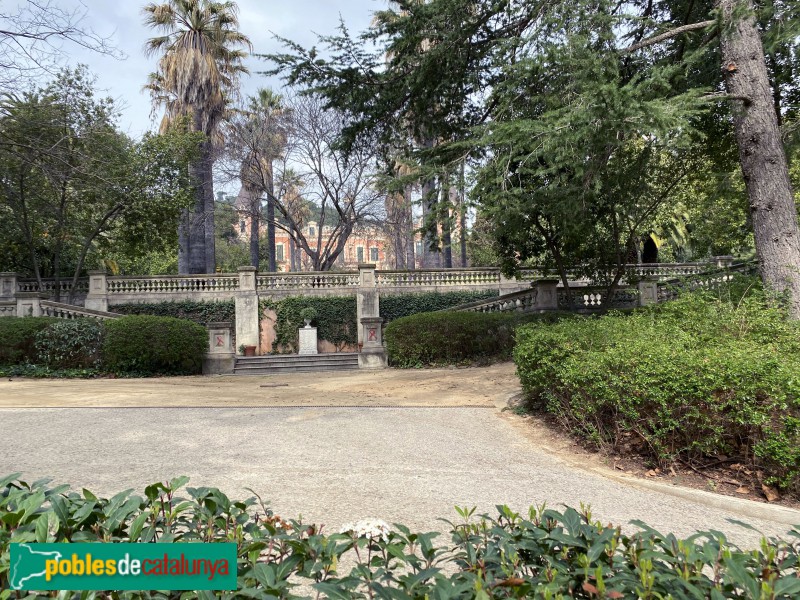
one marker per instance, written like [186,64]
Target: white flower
[372,529]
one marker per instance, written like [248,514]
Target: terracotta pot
[249,350]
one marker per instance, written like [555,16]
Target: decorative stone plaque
[308,340]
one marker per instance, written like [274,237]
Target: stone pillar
[308,340]
[648,291]
[547,294]
[8,286]
[723,262]
[220,358]
[97,298]
[509,286]
[367,299]
[246,302]
[29,304]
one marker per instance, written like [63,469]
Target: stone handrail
[659,270]
[518,301]
[68,311]
[307,281]
[173,284]
[434,278]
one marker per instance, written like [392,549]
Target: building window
[279,252]
[242,226]
[311,231]
[360,254]
[373,254]
[418,248]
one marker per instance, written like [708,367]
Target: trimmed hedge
[18,338]
[453,338]
[692,379]
[197,311]
[73,344]
[541,554]
[154,345]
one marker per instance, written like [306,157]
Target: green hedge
[335,320]
[197,311]
[693,379]
[397,306]
[73,344]
[18,338]
[541,554]
[154,345]
[453,338]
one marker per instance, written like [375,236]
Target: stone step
[295,363]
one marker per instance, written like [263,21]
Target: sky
[260,20]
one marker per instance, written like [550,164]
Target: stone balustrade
[68,311]
[173,284]
[437,279]
[307,283]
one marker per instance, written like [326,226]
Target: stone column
[8,286]
[547,294]
[367,299]
[97,298]
[370,334]
[246,302]
[220,358]
[648,291]
[29,304]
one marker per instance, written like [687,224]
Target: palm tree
[201,60]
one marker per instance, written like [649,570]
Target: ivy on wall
[192,310]
[335,320]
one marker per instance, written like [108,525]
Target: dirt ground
[488,386]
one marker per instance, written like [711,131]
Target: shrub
[694,378]
[70,344]
[542,554]
[308,314]
[18,338]
[154,345]
[397,306]
[446,338]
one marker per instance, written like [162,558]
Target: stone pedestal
[246,303]
[367,300]
[648,291]
[97,298]
[29,304]
[220,358]
[308,340]
[373,355]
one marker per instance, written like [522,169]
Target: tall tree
[201,52]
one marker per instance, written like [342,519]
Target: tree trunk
[444,219]
[208,209]
[272,267]
[183,241]
[761,153]
[408,230]
[197,223]
[462,217]
[255,226]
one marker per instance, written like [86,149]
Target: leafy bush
[18,338]
[192,310]
[544,554]
[71,344]
[397,306]
[308,314]
[154,345]
[446,338]
[335,319]
[694,378]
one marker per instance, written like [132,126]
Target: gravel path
[334,465]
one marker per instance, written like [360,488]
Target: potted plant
[308,314]
[247,350]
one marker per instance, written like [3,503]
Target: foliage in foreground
[18,338]
[543,554]
[453,338]
[698,379]
[193,310]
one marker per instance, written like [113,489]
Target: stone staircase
[295,363]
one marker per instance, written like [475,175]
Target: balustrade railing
[8,309]
[173,284]
[68,311]
[49,286]
[596,298]
[519,301]
[306,281]
[438,278]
